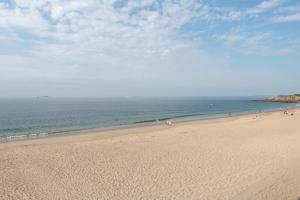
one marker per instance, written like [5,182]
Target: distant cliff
[295,98]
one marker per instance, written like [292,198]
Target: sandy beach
[251,157]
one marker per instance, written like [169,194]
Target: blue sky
[149,47]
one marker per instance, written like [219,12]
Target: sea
[22,118]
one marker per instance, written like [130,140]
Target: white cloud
[288,9]
[97,41]
[251,43]
[287,18]
[287,14]
[264,6]
[259,43]
[140,25]
[65,28]
[106,41]
[235,14]
[20,18]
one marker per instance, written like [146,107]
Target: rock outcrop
[295,98]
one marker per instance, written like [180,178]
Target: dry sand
[234,158]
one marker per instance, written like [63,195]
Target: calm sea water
[52,115]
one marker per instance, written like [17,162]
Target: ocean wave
[168,118]
[22,137]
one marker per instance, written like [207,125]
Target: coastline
[252,156]
[176,120]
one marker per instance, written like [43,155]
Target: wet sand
[244,157]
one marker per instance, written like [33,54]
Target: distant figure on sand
[169,122]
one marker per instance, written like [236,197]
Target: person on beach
[169,122]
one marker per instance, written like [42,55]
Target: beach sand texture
[244,157]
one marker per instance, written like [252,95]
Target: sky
[149,47]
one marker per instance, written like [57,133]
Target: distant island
[294,98]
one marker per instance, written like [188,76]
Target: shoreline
[254,156]
[177,120]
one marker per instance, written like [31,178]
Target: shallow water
[51,115]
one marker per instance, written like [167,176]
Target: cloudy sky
[149,47]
